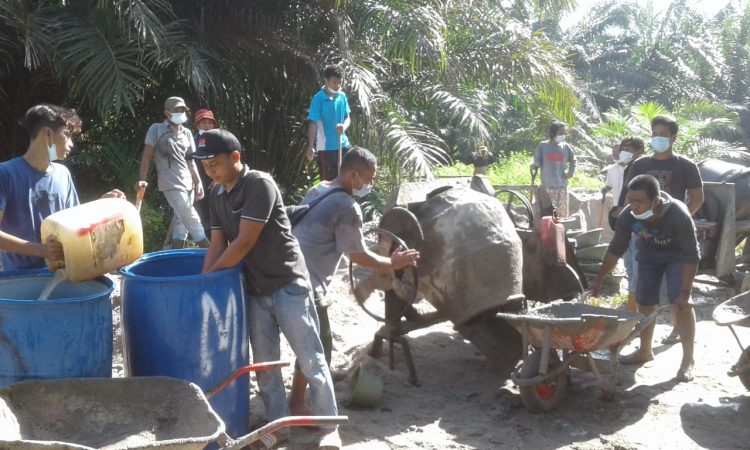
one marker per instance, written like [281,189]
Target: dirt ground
[462,403]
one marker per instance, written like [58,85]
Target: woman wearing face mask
[171,146]
[203,121]
[668,248]
[558,164]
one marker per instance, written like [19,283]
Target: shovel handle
[139,198]
[257,367]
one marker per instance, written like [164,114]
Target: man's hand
[309,153]
[595,289]
[53,250]
[615,212]
[340,128]
[199,192]
[403,258]
[115,193]
[683,300]
[140,184]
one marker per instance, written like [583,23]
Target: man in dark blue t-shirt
[667,248]
[32,187]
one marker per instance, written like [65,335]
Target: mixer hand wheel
[403,284]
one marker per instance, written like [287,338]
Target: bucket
[180,323]
[97,237]
[68,335]
[365,389]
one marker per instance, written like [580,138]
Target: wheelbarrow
[125,413]
[736,312]
[564,334]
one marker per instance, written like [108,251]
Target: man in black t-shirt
[249,223]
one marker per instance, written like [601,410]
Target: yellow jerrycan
[97,237]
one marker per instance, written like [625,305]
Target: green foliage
[154,228]
[514,171]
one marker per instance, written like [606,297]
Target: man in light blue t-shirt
[32,187]
[329,119]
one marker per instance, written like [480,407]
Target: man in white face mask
[667,249]
[171,147]
[558,163]
[332,227]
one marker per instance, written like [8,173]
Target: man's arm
[199,192]
[312,130]
[148,155]
[232,255]
[52,250]
[695,199]
[341,127]
[215,248]
[398,260]
[571,163]
[537,162]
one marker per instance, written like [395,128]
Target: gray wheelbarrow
[125,413]
[564,334]
[736,312]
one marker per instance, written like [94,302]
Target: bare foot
[685,373]
[637,357]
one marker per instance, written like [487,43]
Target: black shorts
[328,161]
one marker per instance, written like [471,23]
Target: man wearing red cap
[204,120]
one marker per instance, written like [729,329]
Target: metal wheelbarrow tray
[564,334]
[125,414]
[736,312]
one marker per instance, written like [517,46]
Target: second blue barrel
[68,335]
[180,323]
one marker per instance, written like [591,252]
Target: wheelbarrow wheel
[546,395]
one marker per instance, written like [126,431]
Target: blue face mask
[660,144]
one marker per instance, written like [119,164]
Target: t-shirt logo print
[664,177]
[202,142]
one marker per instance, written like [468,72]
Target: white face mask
[560,139]
[178,118]
[659,144]
[200,132]
[51,151]
[625,157]
[363,191]
[644,215]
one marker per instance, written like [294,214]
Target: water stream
[59,277]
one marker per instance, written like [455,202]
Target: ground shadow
[717,426]
[463,397]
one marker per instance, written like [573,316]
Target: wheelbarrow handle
[284,422]
[257,367]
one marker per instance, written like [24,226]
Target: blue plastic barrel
[68,335]
[179,323]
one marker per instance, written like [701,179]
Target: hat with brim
[216,142]
[203,114]
[174,102]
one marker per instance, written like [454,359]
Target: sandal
[270,441]
[671,339]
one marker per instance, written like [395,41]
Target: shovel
[139,198]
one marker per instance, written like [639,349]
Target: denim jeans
[186,218]
[291,310]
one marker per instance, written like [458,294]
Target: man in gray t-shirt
[332,227]
[171,147]
[558,164]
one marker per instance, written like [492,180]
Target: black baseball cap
[215,142]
